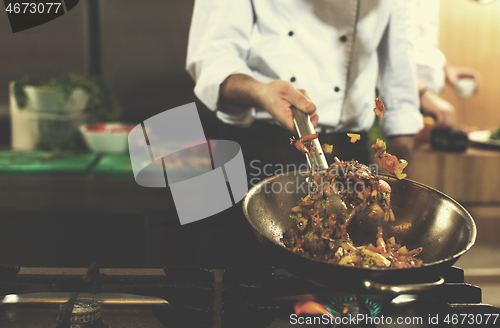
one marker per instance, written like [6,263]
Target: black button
[343,38]
[290,33]
[293,79]
[337,89]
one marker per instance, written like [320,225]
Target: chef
[252,59]
[432,68]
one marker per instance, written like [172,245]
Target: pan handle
[401,289]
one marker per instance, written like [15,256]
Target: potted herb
[49,110]
[66,94]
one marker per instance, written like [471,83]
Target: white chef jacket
[429,59]
[334,49]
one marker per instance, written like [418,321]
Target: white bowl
[106,137]
[50,100]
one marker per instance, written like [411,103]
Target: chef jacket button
[293,79]
[337,89]
[343,38]
[290,33]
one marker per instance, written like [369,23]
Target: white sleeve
[398,83]
[217,48]
[429,59]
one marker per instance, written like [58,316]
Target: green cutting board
[113,165]
[41,163]
[118,165]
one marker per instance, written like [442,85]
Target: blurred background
[143,51]
[139,48]
[469,37]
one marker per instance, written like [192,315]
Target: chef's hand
[402,148]
[240,91]
[435,106]
[276,98]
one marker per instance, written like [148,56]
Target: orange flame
[309,307]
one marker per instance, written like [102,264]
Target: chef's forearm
[239,92]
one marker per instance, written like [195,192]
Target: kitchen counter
[73,193]
[70,215]
[471,178]
[75,182]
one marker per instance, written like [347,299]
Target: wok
[424,217]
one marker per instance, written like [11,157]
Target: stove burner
[344,305]
[86,313]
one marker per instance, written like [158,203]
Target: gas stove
[274,298]
[236,297]
[169,297]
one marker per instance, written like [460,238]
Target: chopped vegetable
[398,171]
[360,189]
[327,239]
[304,144]
[327,148]
[380,109]
[354,137]
[309,137]
[301,224]
[300,146]
[389,162]
[379,260]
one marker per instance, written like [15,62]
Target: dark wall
[58,44]
[144,53]
[144,47]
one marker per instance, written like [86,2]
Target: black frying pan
[424,217]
